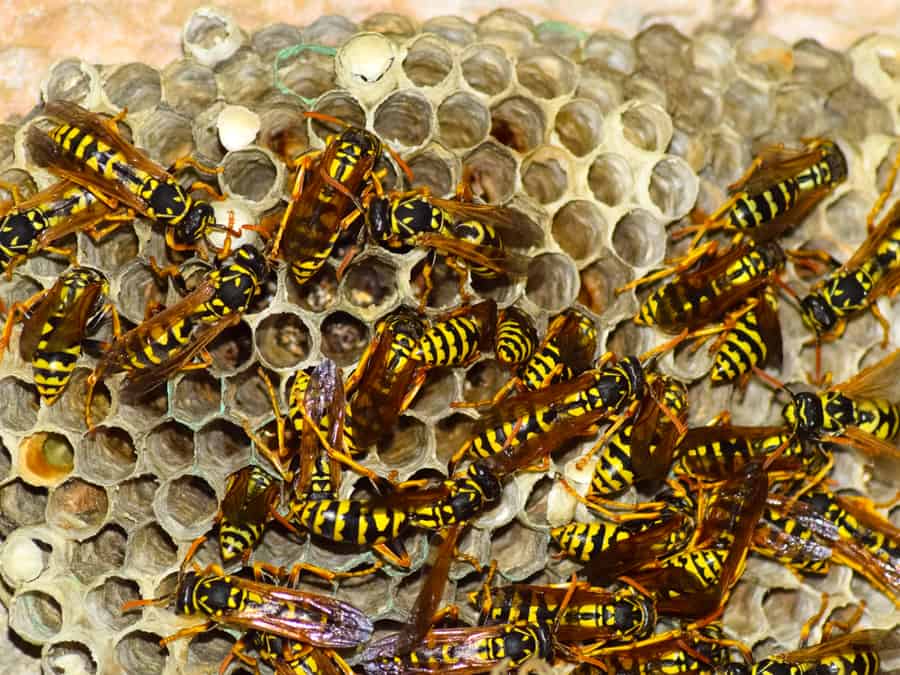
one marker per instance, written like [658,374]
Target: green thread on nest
[562,27]
[289,52]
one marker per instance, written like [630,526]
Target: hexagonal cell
[444,280]
[600,280]
[134,86]
[103,603]
[206,132]
[21,181]
[113,251]
[432,169]
[197,396]
[166,135]
[340,105]
[610,179]
[102,553]
[436,394]
[248,396]
[189,87]
[748,107]
[639,239]
[673,187]
[243,79]
[407,444]
[21,411]
[628,338]
[70,80]
[249,173]
[764,57]
[518,123]
[190,502]
[519,552]
[483,379]
[663,49]
[151,550]
[224,444]
[283,340]
[370,283]
[463,120]
[316,295]
[579,227]
[107,455]
[453,29]
[545,73]
[579,125]
[818,65]
[209,649]
[493,172]
[404,118]
[36,615]
[614,50]
[344,337]
[486,69]
[137,288]
[170,446]
[283,131]
[647,126]
[21,504]
[552,282]
[307,74]
[545,175]
[389,23]
[139,653]
[232,348]
[427,62]
[134,499]
[45,458]
[147,409]
[70,656]
[77,507]
[269,40]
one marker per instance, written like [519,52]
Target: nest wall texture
[600,140]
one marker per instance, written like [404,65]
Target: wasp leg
[675,266]
[885,325]
[13,190]
[186,633]
[17,312]
[115,221]
[399,558]
[187,160]
[885,193]
[296,192]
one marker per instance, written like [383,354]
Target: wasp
[458,499]
[89,150]
[516,337]
[708,285]
[32,226]
[753,341]
[641,451]
[851,654]
[54,324]
[470,236]
[385,381]
[459,337]
[244,604]
[779,188]
[787,541]
[290,657]
[170,340]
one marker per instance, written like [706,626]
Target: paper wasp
[54,324]
[787,541]
[781,186]
[170,340]
[458,338]
[516,338]
[90,151]
[753,341]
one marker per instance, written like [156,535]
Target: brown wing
[863,510]
[513,227]
[880,380]
[495,259]
[708,268]
[866,443]
[323,399]
[777,226]
[867,249]
[237,508]
[45,198]
[89,216]
[861,640]
[770,331]
[139,382]
[777,164]
[646,424]
[33,325]
[697,436]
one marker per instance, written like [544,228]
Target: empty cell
[436,394]
[545,175]
[483,380]
[134,86]
[662,49]
[545,73]
[22,404]
[463,120]
[269,40]
[342,106]
[107,455]
[151,550]
[552,282]
[406,445]
[113,251]
[639,239]
[536,505]
[579,125]
[404,118]
[197,396]
[103,603]
[696,103]
[283,131]
[210,36]
[249,173]
[344,337]
[492,172]
[764,57]
[77,507]
[518,123]
[427,62]
[519,552]
[223,444]
[36,615]
[102,553]
[749,108]
[307,74]
[21,504]
[729,158]
[432,169]
[486,69]
[579,227]
[146,409]
[70,80]
[209,649]
[600,280]
[611,179]
[137,288]
[134,498]
[189,87]
[370,283]
[614,50]
[647,126]
[283,340]
[673,187]
[190,502]
[243,79]
[453,29]
[628,338]
[331,30]
[390,24]
[139,653]
[170,447]
[247,394]
[70,656]
[232,348]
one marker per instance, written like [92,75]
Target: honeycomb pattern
[602,141]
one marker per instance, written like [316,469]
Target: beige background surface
[36,33]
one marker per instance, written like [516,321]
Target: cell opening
[190,502]
[232,348]
[600,280]
[166,136]
[209,649]
[103,603]
[70,80]
[647,126]
[134,499]
[486,69]
[344,337]
[135,86]
[545,73]
[22,504]
[340,105]
[102,553]
[579,227]
[46,458]
[224,444]
[189,87]
[151,550]
[517,123]
[139,653]
[369,283]
[406,445]
[639,239]
[77,507]
[283,340]
[427,63]
[463,120]
[22,404]
[197,396]
[492,173]
[545,177]
[673,187]
[171,447]
[70,656]
[432,170]
[404,118]
[552,282]
[108,455]
[248,173]
[36,615]
[579,125]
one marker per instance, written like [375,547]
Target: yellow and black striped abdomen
[516,338]
[585,541]
[53,370]
[614,471]
[744,348]
[349,521]
[751,211]
[879,417]
[99,157]
[160,346]
[449,343]
[855,663]
[511,433]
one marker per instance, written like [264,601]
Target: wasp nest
[601,140]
